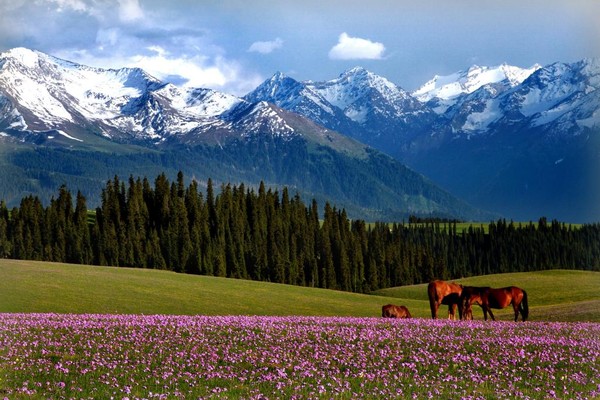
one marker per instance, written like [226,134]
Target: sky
[234,45]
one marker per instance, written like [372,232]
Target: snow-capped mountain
[289,94]
[74,124]
[48,94]
[443,90]
[358,103]
[504,137]
[474,131]
[363,95]
[563,95]
[535,143]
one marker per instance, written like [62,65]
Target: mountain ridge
[490,137]
[523,118]
[75,124]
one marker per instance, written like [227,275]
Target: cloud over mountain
[266,47]
[354,48]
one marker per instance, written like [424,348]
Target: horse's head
[468,296]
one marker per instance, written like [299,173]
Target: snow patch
[590,122]
[357,114]
[65,134]
[465,82]
[479,121]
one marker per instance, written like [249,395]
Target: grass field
[29,286]
[72,331]
[464,226]
[554,295]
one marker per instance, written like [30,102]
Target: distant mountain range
[519,142]
[61,122]
[522,142]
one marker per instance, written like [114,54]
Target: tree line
[270,235]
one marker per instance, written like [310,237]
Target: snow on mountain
[560,92]
[206,102]
[39,92]
[260,118]
[442,91]
[292,95]
[55,91]
[357,92]
[46,93]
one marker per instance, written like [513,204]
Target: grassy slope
[28,286]
[555,295]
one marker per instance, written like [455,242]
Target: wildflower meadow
[170,357]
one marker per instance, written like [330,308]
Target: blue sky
[233,45]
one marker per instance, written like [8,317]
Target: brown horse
[489,298]
[448,293]
[470,295]
[393,311]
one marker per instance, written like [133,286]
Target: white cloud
[266,47]
[76,5]
[127,33]
[189,69]
[107,37]
[130,10]
[352,48]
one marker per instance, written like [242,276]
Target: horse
[448,293]
[489,298]
[393,311]
[470,295]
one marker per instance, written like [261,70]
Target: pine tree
[5,246]
[80,251]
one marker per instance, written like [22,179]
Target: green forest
[271,235]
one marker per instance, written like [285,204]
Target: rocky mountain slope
[61,122]
[522,141]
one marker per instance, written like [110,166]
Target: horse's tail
[524,306]
[432,300]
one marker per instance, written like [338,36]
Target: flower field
[158,357]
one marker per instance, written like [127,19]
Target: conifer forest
[271,235]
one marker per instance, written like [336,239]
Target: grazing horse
[470,295]
[489,298]
[393,311]
[448,293]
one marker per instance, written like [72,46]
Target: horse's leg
[516,308]
[451,311]
[491,314]
[434,305]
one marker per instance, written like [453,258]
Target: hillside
[85,125]
[29,286]
[520,141]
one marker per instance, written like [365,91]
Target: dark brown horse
[393,311]
[448,293]
[469,296]
[489,298]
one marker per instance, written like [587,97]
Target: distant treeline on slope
[270,236]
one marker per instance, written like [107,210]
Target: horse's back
[501,298]
[394,311]
[443,288]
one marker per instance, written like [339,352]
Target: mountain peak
[274,89]
[446,87]
[278,76]
[27,57]
[355,71]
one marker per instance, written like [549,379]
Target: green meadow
[42,287]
